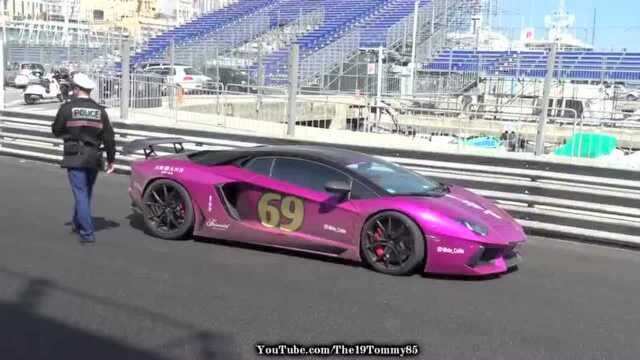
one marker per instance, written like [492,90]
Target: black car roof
[335,156]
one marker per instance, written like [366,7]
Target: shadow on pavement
[101,223]
[26,333]
[30,336]
[470,278]
[137,222]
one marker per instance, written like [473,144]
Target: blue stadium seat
[572,64]
[199,27]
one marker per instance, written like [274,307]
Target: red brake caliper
[181,209]
[378,237]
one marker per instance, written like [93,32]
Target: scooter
[25,77]
[44,89]
[64,81]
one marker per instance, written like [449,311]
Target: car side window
[306,174]
[360,192]
[261,166]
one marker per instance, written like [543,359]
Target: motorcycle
[64,81]
[43,89]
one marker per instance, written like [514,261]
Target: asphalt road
[135,297]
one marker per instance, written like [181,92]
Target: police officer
[84,125]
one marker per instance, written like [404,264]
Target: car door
[287,200]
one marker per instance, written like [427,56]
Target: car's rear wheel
[392,243]
[168,210]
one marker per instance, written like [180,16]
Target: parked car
[33,71]
[186,77]
[140,67]
[621,92]
[234,79]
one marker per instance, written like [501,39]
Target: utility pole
[292,106]
[260,79]
[433,30]
[173,91]
[413,46]
[379,88]
[65,32]
[2,65]
[126,81]
[551,64]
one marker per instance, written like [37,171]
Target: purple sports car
[323,200]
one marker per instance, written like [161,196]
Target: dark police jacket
[84,125]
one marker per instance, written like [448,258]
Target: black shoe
[87,241]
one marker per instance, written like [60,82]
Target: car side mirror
[340,188]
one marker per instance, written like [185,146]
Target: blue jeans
[82,181]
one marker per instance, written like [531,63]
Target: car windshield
[159,71]
[191,71]
[395,179]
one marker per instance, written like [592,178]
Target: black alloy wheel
[168,210]
[392,243]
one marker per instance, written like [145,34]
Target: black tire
[392,243]
[29,100]
[168,210]
[631,97]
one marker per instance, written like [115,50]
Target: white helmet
[83,81]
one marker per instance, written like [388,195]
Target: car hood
[461,204]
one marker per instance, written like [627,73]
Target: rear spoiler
[147,145]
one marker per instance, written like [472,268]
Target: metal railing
[426,115]
[583,202]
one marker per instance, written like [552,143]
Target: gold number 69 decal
[291,208]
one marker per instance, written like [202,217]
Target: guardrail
[581,202]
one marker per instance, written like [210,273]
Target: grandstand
[340,30]
[350,26]
[207,27]
[577,65]
[333,34]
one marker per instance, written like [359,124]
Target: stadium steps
[238,13]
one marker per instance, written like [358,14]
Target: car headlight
[474,227]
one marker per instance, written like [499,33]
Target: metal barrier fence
[81,58]
[583,202]
[460,118]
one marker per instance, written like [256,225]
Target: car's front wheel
[30,99]
[392,243]
[168,210]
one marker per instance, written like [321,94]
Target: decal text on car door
[289,216]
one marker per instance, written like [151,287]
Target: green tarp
[589,145]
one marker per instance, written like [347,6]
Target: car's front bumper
[465,257]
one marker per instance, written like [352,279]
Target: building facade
[141,19]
